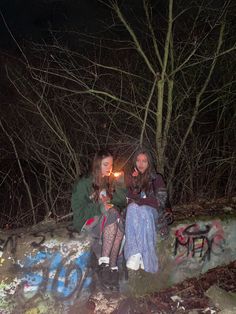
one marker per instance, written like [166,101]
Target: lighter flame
[117,174]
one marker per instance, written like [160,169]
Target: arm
[159,200]
[119,199]
[83,207]
[134,192]
[157,196]
[149,201]
[136,198]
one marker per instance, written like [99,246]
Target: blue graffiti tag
[52,272]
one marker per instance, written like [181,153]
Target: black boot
[114,280]
[104,275]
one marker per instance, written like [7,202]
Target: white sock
[114,268]
[103,259]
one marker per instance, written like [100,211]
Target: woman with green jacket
[96,203]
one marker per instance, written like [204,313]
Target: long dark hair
[99,182]
[142,181]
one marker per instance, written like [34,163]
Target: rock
[224,300]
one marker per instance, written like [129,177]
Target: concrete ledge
[193,247]
[45,269]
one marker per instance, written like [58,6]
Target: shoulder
[84,181]
[128,179]
[156,175]
[158,179]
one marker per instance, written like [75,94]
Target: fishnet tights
[112,237]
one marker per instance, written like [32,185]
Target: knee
[132,207]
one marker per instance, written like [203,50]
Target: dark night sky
[31,19]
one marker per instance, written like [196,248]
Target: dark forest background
[79,77]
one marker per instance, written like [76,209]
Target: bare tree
[157,85]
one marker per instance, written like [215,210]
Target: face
[142,163]
[106,166]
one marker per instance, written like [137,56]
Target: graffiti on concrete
[54,267]
[60,275]
[10,242]
[199,241]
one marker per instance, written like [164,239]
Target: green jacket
[84,207]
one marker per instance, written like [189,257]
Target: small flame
[116,174]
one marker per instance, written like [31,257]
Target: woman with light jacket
[147,213]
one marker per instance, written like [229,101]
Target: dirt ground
[190,296]
[210,293]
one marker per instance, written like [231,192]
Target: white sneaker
[134,262]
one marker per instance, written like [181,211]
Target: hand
[168,216]
[107,206]
[135,172]
[106,202]
[104,198]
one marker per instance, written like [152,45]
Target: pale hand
[135,173]
[107,206]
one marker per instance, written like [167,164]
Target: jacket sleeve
[83,207]
[119,198]
[149,201]
[157,196]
